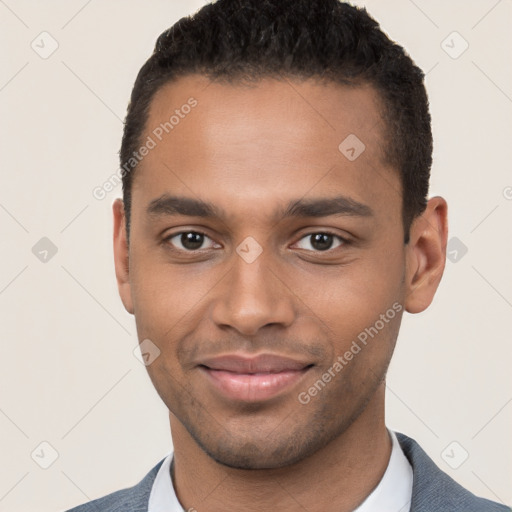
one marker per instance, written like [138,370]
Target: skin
[250,152]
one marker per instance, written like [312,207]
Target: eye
[191,241]
[320,242]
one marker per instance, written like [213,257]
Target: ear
[121,255]
[426,255]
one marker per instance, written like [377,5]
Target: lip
[253,379]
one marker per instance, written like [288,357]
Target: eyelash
[168,239]
[343,241]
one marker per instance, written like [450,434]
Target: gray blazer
[432,491]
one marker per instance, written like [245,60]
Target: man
[274,228]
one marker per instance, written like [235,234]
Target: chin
[250,456]
[268,452]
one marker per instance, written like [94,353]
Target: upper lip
[262,363]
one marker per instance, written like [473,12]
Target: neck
[336,478]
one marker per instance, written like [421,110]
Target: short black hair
[247,40]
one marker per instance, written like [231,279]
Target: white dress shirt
[392,494]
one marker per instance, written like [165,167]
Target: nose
[253,297]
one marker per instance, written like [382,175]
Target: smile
[253,379]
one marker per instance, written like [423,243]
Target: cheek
[165,295]
[361,302]
[365,334]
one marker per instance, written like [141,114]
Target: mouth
[253,379]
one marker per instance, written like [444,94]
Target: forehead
[266,140]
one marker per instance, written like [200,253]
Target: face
[266,263]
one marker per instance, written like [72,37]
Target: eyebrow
[339,205]
[167,205]
[175,205]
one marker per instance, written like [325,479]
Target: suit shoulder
[115,502]
[131,499]
[435,490]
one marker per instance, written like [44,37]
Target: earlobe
[426,255]
[121,255]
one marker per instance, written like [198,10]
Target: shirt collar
[163,497]
[393,493]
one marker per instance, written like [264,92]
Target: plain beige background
[68,374]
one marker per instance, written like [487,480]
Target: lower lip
[253,387]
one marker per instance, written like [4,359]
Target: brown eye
[320,242]
[191,241]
